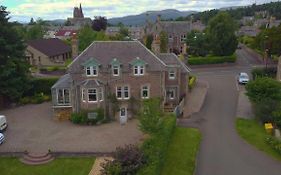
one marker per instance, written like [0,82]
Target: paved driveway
[222,151]
[32,128]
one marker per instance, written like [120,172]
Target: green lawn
[60,166]
[255,134]
[182,151]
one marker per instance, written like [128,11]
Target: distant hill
[139,20]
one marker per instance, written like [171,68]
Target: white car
[2,138]
[243,78]
[3,123]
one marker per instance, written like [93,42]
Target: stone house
[47,52]
[126,70]
[176,31]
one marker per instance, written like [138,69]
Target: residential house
[175,30]
[248,31]
[47,52]
[64,34]
[126,70]
[135,33]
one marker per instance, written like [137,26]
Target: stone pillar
[74,46]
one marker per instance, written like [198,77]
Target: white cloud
[61,9]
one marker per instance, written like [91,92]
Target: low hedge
[274,143]
[264,72]
[36,99]
[155,147]
[211,60]
[82,117]
[191,82]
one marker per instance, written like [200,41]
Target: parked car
[243,78]
[3,123]
[2,138]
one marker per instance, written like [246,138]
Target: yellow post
[268,128]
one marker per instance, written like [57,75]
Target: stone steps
[36,158]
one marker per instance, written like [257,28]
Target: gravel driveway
[32,128]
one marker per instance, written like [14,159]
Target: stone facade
[129,57]
[78,18]
[279,69]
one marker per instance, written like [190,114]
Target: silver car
[243,78]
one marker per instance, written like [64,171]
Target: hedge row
[155,147]
[264,72]
[274,143]
[211,60]
[41,85]
[82,117]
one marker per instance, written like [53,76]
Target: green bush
[36,99]
[191,82]
[274,143]
[264,72]
[82,117]
[155,147]
[211,60]
[41,85]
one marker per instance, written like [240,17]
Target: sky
[23,10]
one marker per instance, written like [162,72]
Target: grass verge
[254,133]
[60,166]
[182,151]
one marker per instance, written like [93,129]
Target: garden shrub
[274,143]
[191,82]
[127,160]
[264,72]
[36,99]
[211,60]
[41,85]
[82,117]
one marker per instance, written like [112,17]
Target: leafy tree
[124,31]
[197,43]
[99,23]
[35,32]
[148,41]
[221,34]
[163,42]
[14,73]
[67,23]
[86,36]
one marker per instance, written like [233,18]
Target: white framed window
[145,92]
[172,74]
[183,37]
[122,92]
[92,95]
[100,94]
[119,92]
[92,71]
[63,96]
[138,70]
[84,95]
[126,92]
[115,70]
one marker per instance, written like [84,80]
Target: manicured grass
[182,151]
[60,166]
[255,134]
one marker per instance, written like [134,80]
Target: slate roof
[176,26]
[124,51]
[170,59]
[63,82]
[50,47]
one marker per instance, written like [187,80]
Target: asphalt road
[222,151]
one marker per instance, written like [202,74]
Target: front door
[123,115]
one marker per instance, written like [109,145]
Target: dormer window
[92,71]
[115,65]
[91,67]
[115,70]
[138,70]
[138,67]
[172,74]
